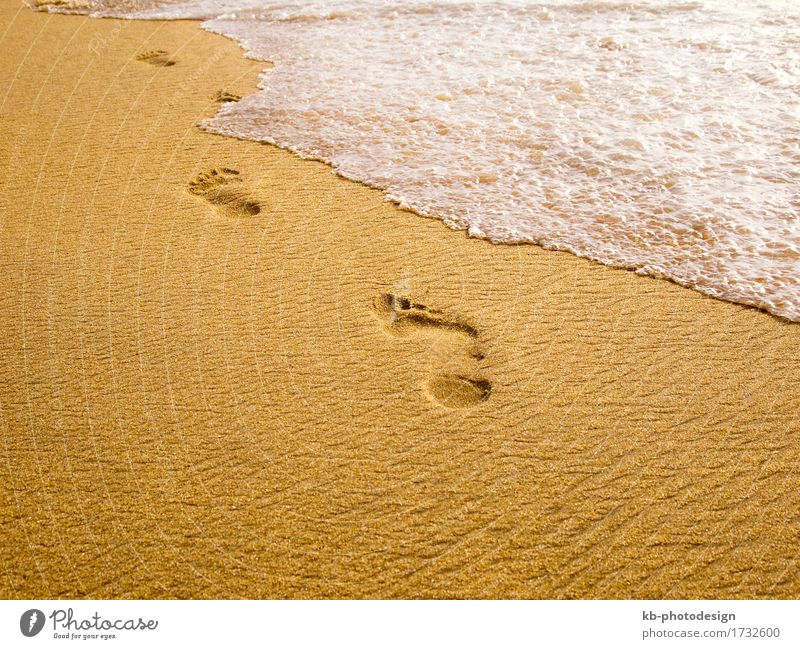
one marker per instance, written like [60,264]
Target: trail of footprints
[158,58]
[224,190]
[403,318]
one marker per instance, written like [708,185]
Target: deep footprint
[159,58]
[456,391]
[223,189]
[224,97]
[403,318]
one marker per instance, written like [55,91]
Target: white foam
[658,136]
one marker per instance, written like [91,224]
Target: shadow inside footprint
[223,189]
[455,391]
[159,58]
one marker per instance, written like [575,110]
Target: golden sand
[227,372]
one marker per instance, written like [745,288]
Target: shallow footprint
[456,391]
[224,97]
[159,58]
[223,189]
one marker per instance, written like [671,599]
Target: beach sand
[226,372]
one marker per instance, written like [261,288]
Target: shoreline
[201,400]
[399,204]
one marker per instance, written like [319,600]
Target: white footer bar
[399,624]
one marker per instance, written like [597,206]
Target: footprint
[456,391]
[223,189]
[159,58]
[224,97]
[403,318]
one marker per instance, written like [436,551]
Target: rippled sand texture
[327,396]
[659,136]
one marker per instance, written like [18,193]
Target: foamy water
[662,137]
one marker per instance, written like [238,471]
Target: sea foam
[662,136]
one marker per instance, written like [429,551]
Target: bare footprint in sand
[159,58]
[224,97]
[224,190]
[456,391]
[402,318]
